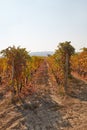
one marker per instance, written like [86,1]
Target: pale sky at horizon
[39,25]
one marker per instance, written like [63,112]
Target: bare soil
[48,107]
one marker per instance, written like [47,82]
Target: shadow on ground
[41,113]
[77,89]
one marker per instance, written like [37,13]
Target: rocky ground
[48,108]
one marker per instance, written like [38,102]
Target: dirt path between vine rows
[46,108]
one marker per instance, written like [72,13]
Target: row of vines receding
[65,61]
[17,68]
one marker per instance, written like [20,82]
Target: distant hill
[41,53]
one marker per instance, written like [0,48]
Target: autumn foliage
[18,66]
[79,63]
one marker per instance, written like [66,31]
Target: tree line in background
[18,66]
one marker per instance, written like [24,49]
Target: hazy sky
[39,25]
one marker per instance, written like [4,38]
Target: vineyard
[43,93]
[79,63]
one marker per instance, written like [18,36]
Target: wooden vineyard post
[66,72]
[12,78]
